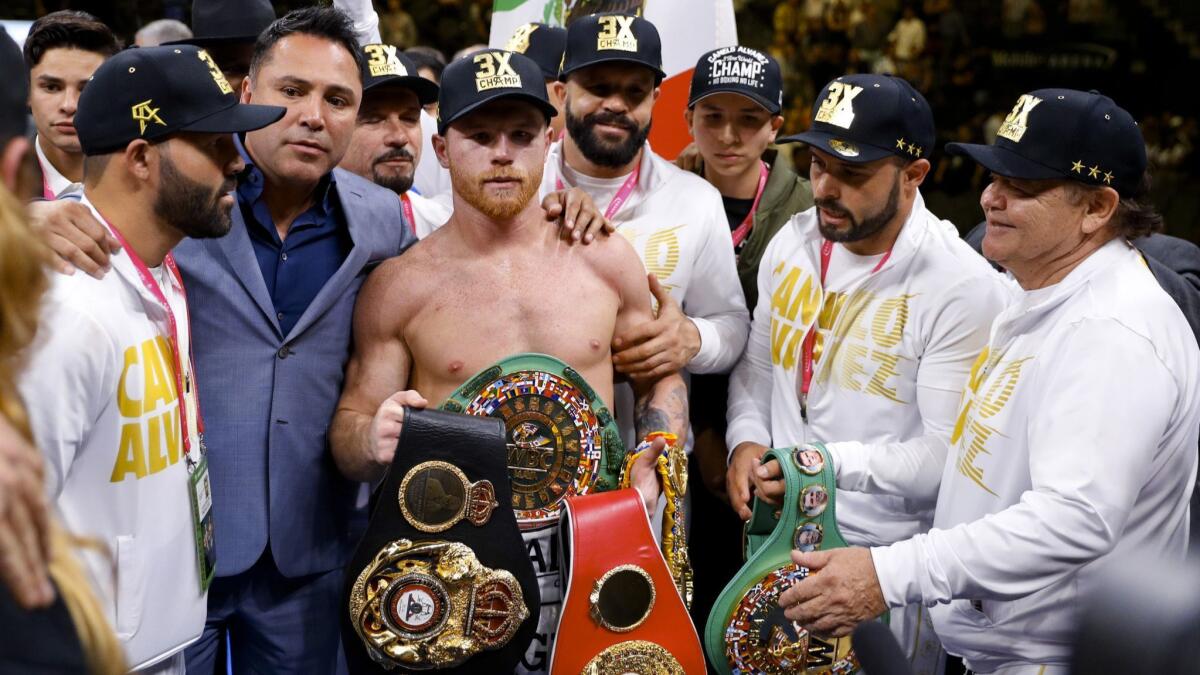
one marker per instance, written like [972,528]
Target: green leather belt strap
[746,631]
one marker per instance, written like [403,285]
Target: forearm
[350,443]
[662,406]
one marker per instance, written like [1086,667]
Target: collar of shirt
[250,186]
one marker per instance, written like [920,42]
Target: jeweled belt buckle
[425,605]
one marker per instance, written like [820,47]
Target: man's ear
[439,149]
[776,125]
[12,155]
[246,89]
[915,171]
[141,162]
[688,115]
[1101,205]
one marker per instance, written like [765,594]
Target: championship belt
[747,631]
[621,612]
[562,440]
[673,474]
[441,579]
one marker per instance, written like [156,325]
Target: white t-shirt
[428,214]
[103,402]
[1075,444]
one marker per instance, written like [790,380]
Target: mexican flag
[688,29]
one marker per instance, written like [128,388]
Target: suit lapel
[356,259]
[240,254]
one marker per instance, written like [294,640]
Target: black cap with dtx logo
[862,118]
[1065,134]
[612,38]
[385,64]
[544,44]
[739,70]
[154,92]
[485,76]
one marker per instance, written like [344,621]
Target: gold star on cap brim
[1093,172]
[1077,167]
[1108,178]
[900,143]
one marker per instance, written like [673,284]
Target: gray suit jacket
[267,399]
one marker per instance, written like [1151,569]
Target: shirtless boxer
[491,283]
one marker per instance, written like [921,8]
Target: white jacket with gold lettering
[890,358]
[102,399]
[1075,444]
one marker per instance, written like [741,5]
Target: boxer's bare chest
[477,314]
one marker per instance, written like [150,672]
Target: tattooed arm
[662,405]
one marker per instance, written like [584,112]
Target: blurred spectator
[837,16]
[466,51]
[789,21]
[396,26]
[814,11]
[869,36]
[908,37]
[430,62]
[164,30]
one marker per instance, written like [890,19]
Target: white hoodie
[676,222]
[101,393]
[1076,442]
[893,350]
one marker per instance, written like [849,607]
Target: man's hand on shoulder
[658,347]
[78,240]
[387,423]
[576,215]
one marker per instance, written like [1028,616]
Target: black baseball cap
[216,22]
[611,38]
[14,96]
[739,70]
[542,43]
[485,76]
[862,118]
[384,64]
[154,92]
[1066,134]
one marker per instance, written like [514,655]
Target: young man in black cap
[870,311]
[612,69]
[227,29]
[62,51]
[505,269]
[545,45]
[111,391]
[1075,443]
[733,114]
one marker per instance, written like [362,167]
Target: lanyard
[618,200]
[743,230]
[184,385]
[806,361]
[408,212]
[47,193]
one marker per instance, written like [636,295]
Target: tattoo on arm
[663,407]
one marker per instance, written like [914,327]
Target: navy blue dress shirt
[294,268]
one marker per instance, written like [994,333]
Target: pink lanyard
[806,362]
[47,193]
[151,285]
[408,212]
[743,230]
[622,194]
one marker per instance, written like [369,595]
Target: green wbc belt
[562,440]
[747,631]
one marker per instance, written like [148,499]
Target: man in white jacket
[675,220]
[1076,435]
[109,386]
[870,313]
